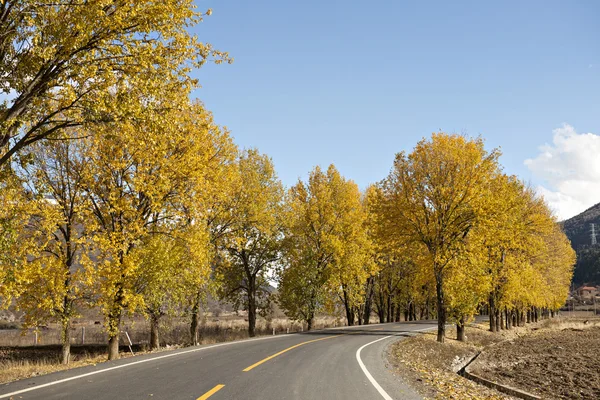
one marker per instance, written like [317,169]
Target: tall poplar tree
[435,196]
[253,239]
[326,247]
[53,288]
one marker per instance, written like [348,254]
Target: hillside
[578,229]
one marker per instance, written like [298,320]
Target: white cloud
[570,169]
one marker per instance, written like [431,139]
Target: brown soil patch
[563,362]
[555,358]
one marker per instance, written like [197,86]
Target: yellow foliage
[327,249]
[64,62]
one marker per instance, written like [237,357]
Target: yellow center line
[286,350]
[211,392]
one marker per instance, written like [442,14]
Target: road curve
[345,363]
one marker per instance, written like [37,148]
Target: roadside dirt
[555,364]
[430,367]
[554,359]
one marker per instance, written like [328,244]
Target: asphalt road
[346,363]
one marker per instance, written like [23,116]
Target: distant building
[587,293]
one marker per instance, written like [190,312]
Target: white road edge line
[382,392]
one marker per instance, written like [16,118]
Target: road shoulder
[376,359]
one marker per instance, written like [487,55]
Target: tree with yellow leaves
[505,235]
[25,221]
[353,263]
[326,246]
[370,201]
[514,237]
[62,62]
[148,180]
[308,251]
[401,282]
[253,238]
[169,265]
[467,286]
[14,216]
[52,286]
[557,269]
[213,206]
[435,196]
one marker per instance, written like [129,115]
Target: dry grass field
[174,331]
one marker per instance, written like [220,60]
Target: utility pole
[572,299]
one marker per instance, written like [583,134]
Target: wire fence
[171,333]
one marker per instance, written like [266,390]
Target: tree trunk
[114,323]
[251,313]
[350,316]
[441,308]
[195,322]
[309,322]
[349,310]
[460,330]
[194,330]
[154,337]
[380,307]
[66,341]
[113,347]
[492,312]
[498,320]
[381,314]
[368,300]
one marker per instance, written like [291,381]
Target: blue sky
[352,83]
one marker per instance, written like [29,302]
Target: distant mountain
[579,231]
